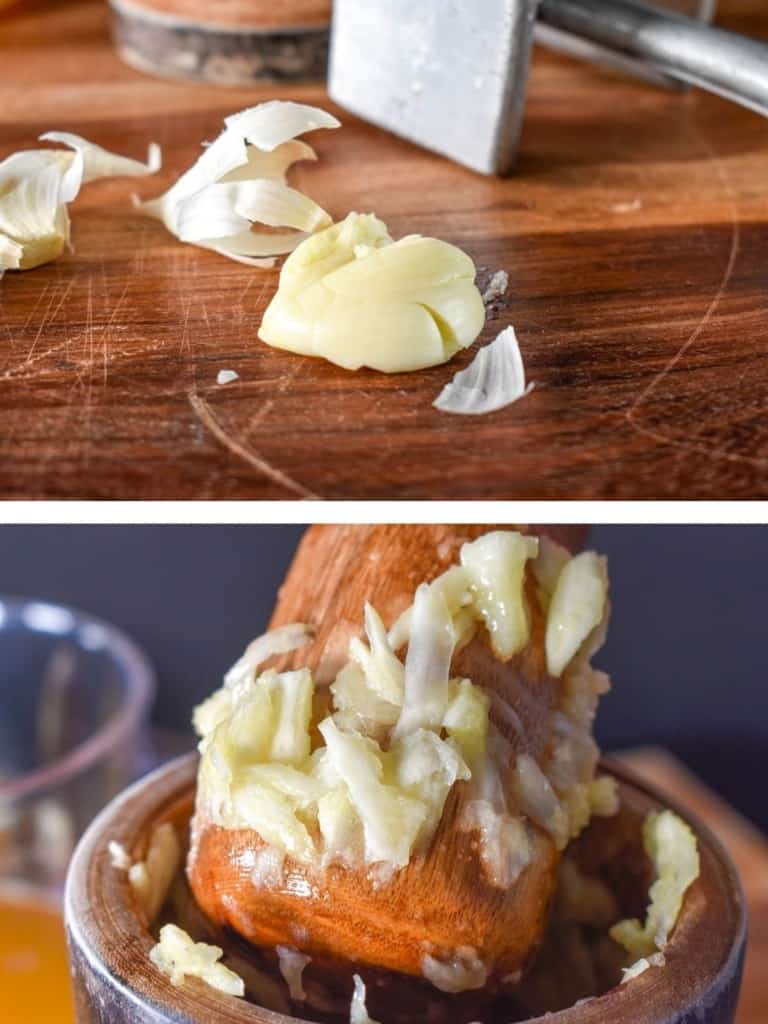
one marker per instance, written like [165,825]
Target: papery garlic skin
[355,297]
[36,185]
[239,181]
[493,380]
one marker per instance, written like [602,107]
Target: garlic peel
[239,181]
[36,185]
[98,162]
[493,380]
[11,254]
[271,124]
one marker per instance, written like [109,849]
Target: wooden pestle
[442,900]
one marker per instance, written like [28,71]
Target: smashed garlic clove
[463,971]
[428,663]
[547,566]
[493,380]
[353,296]
[239,181]
[36,185]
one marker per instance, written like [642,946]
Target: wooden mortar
[115,982]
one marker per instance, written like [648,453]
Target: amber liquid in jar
[34,974]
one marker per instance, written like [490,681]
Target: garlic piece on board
[240,180]
[353,296]
[37,184]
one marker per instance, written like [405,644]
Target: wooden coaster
[226,42]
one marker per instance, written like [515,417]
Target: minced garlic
[179,956]
[358,1011]
[366,784]
[641,966]
[463,971]
[671,845]
[353,296]
[152,877]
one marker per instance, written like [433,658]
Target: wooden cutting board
[634,233]
[746,845]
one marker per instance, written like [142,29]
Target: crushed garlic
[179,956]
[353,296]
[671,845]
[366,784]
[358,1012]
[641,966]
[152,877]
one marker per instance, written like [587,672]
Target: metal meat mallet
[451,75]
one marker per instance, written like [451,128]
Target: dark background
[687,647]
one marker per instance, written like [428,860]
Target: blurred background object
[234,42]
[703,9]
[225,42]
[73,704]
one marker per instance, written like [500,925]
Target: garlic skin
[493,380]
[37,184]
[353,296]
[240,181]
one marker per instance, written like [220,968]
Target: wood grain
[634,232]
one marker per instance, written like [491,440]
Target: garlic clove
[353,296]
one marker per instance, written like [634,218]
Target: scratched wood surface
[748,848]
[634,233]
